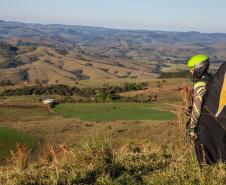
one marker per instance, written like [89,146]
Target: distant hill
[62,53]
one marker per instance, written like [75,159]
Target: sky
[164,15]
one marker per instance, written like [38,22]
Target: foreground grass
[9,138]
[96,162]
[113,111]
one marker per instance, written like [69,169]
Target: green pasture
[113,111]
[10,137]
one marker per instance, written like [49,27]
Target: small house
[51,102]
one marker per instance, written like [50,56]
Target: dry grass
[97,162]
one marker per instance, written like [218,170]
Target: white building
[49,101]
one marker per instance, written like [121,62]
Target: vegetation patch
[66,90]
[178,74]
[97,163]
[106,93]
[113,111]
[22,113]
[9,138]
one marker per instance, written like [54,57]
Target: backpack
[215,98]
[210,144]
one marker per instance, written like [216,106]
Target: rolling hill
[65,54]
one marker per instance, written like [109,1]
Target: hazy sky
[174,15]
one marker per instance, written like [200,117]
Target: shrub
[101,97]
[180,74]
[113,97]
[140,99]
[61,51]
[87,92]
[6,83]
[135,86]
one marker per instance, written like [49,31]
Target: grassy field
[9,138]
[20,99]
[113,111]
[73,123]
[12,131]
[18,114]
[103,144]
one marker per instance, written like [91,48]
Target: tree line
[107,93]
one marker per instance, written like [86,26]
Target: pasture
[113,111]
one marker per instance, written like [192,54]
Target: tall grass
[96,162]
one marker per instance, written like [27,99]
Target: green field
[10,137]
[113,111]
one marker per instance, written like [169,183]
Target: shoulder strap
[207,78]
[213,96]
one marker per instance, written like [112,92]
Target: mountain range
[66,53]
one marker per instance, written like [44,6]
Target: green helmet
[200,64]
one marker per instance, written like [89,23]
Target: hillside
[47,65]
[65,54]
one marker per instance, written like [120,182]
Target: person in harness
[207,125]
[198,65]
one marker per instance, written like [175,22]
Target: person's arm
[199,91]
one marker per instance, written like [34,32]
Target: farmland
[103,143]
[113,111]
[71,123]
[123,120]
